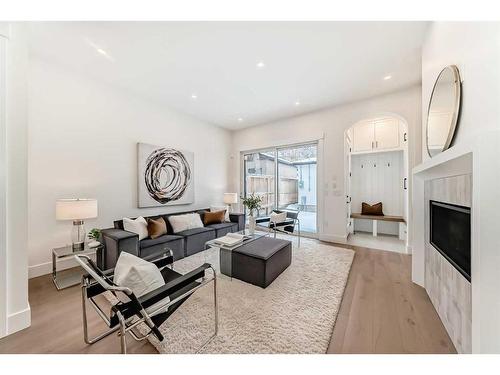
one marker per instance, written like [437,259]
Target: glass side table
[74,276]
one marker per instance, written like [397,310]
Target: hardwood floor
[382,312]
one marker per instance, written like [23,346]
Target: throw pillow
[138,226]
[184,222]
[221,208]
[157,227]
[277,217]
[140,276]
[216,217]
[369,209]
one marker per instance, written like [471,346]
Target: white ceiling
[320,64]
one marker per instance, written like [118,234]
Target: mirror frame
[456,111]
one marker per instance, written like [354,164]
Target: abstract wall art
[165,176]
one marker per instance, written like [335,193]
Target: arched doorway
[377,170]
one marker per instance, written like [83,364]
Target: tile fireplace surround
[448,289]
[476,157]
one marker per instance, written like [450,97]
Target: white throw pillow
[138,226]
[184,222]
[278,217]
[140,276]
[221,208]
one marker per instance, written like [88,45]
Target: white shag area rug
[295,314]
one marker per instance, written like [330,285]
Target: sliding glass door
[260,172]
[285,178]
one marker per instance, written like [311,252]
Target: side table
[72,277]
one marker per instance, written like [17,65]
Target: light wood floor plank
[382,312]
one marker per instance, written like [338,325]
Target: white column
[374,227]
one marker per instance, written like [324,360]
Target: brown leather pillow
[215,217]
[156,227]
[372,209]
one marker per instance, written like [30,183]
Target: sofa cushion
[148,242]
[191,232]
[221,208]
[138,226]
[216,217]
[185,222]
[222,226]
[156,227]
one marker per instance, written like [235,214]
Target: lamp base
[78,235]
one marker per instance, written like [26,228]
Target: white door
[386,134]
[363,136]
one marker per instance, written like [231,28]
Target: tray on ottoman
[261,261]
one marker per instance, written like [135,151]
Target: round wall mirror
[444,109]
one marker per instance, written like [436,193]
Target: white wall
[16,312]
[83,137]
[475,49]
[378,177]
[329,125]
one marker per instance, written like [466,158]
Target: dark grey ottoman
[261,261]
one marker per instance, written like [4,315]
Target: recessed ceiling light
[260,65]
[297,103]
[388,77]
[101,51]
[194,96]
[240,119]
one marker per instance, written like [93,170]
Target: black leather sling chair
[286,226]
[125,316]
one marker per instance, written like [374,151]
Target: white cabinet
[363,136]
[376,135]
[386,133]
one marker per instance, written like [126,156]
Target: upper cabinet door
[363,137]
[386,133]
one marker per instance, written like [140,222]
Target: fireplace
[450,234]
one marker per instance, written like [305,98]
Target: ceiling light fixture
[297,103]
[194,96]
[240,119]
[260,65]
[388,77]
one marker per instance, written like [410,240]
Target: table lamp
[230,198]
[76,210]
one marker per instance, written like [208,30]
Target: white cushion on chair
[138,275]
[138,226]
[277,217]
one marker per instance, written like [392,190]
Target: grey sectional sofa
[182,244]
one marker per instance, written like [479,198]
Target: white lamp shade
[230,198]
[76,209]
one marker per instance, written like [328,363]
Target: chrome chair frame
[275,228]
[127,325]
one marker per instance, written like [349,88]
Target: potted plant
[94,236]
[252,203]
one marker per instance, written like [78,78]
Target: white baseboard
[46,268]
[333,238]
[19,320]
